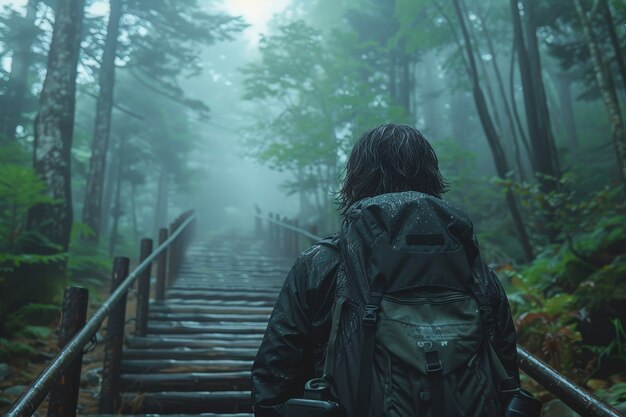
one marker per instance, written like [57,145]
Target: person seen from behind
[396,315]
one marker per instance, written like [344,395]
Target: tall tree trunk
[92,209]
[113,161]
[13,100]
[492,138]
[503,97]
[514,109]
[609,95]
[541,100]
[53,128]
[615,43]
[117,205]
[564,89]
[534,100]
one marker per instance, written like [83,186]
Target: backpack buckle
[370,315]
[432,367]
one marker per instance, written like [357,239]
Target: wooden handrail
[31,398]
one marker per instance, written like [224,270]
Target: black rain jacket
[293,348]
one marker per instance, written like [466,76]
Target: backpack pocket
[449,323]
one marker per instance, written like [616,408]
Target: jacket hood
[391,233]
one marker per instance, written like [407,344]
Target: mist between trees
[111,123]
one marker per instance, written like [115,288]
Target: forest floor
[23,369]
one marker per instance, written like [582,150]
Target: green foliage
[477,195]
[20,190]
[615,395]
[578,276]
[546,325]
[12,348]
[31,314]
[316,102]
[33,332]
[616,349]
[31,322]
[87,264]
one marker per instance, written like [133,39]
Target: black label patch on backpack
[434,239]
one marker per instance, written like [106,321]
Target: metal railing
[575,397]
[61,377]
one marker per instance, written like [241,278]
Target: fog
[119,118]
[225,105]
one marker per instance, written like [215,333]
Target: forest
[117,115]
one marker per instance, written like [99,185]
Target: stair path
[202,339]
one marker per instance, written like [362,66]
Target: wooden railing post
[110,390]
[143,290]
[161,268]
[64,394]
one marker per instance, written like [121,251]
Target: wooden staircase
[202,339]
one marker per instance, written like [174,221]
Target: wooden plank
[186,382]
[200,342]
[221,295]
[190,327]
[144,366]
[185,283]
[182,402]
[241,303]
[173,415]
[210,318]
[184,353]
[215,309]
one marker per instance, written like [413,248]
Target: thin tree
[13,100]
[53,130]
[499,158]
[537,115]
[92,209]
[615,43]
[504,98]
[607,89]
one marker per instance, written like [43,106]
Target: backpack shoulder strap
[329,360]
[506,383]
[369,320]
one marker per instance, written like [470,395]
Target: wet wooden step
[209,318]
[200,341]
[185,353]
[190,327]
[187,382]
[221,295]
[187,402]
[188,285]
[173,415]
[174,302]
[145,366]
[209,309]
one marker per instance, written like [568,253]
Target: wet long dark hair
[390,158]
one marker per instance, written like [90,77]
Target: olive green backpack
[410,336]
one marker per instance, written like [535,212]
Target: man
[393,173]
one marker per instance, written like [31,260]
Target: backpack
[411,335]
